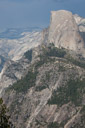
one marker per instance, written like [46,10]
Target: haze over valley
[42,73]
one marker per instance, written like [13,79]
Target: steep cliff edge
[64,32]
[47,85]
[51,93]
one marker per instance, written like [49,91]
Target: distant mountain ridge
[16,33]
[16,47]
[43,83]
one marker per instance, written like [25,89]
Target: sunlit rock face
[64,32]
[44,86]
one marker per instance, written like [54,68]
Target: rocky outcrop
[11,72]
[32,109]
[64,32]
[47,85]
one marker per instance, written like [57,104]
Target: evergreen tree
[4,117]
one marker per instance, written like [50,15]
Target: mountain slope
[38,99]
[47,88]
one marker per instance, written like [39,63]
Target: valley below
[42,74]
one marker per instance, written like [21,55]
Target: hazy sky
[25,13]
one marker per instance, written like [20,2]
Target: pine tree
[4,117]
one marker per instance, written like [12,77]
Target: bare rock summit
[64,32]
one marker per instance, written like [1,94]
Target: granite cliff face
[64,32]
[45,88]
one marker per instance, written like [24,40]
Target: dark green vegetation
[56,52]
[43,60]
[77,62]
[53,125]
[4,118]
[73,92]
[44,83]
[25,83]
[61,68]
[48,53]
[56,125]
[28,55]
[53,51]
[40,88]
